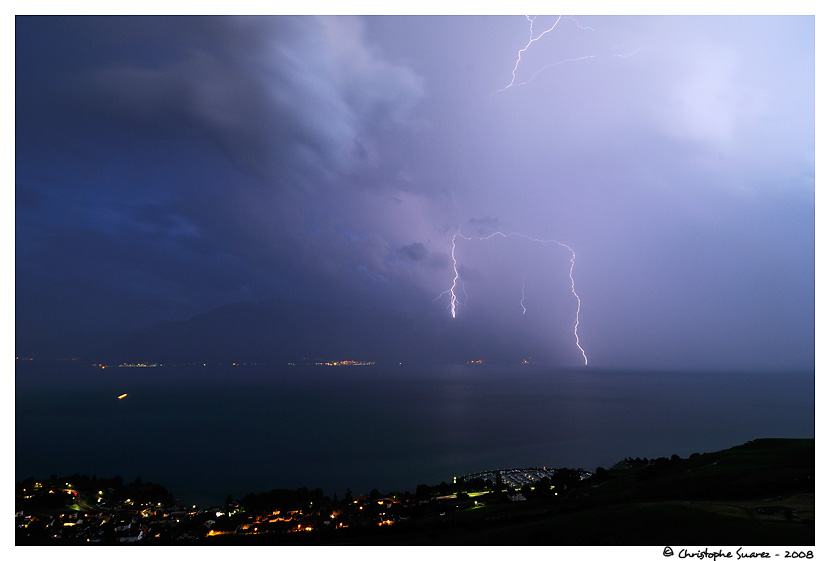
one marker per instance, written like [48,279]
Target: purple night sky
[167,166]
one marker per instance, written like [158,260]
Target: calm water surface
[205,432]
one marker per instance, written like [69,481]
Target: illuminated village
[74,510]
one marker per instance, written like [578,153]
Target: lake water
[208,431]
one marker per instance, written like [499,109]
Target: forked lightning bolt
[532,40]
[456,277]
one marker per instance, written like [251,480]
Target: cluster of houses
[517,478]
[78,518]
[58,512]
[120,524]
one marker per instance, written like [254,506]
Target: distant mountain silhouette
[281,331]
[278,331]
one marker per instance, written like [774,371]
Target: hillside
[759,493]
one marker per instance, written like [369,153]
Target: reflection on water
[205,432]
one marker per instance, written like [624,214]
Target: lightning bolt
[533,39]
[453,297]
[522,301]
[526,47]
[585,27]
[628,55]
[529,80]
[456,278]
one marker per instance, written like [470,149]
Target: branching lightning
[532,19]
[532,40]
[529,80]
[585,27]
[457,277]
[456,281]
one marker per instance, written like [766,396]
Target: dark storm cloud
[276,95]
[185,143]
[165,166]
[484,226]
[415,251]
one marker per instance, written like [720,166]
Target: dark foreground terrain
[759,493]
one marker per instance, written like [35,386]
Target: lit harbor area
[516,478]
[102,365]
[345,363]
